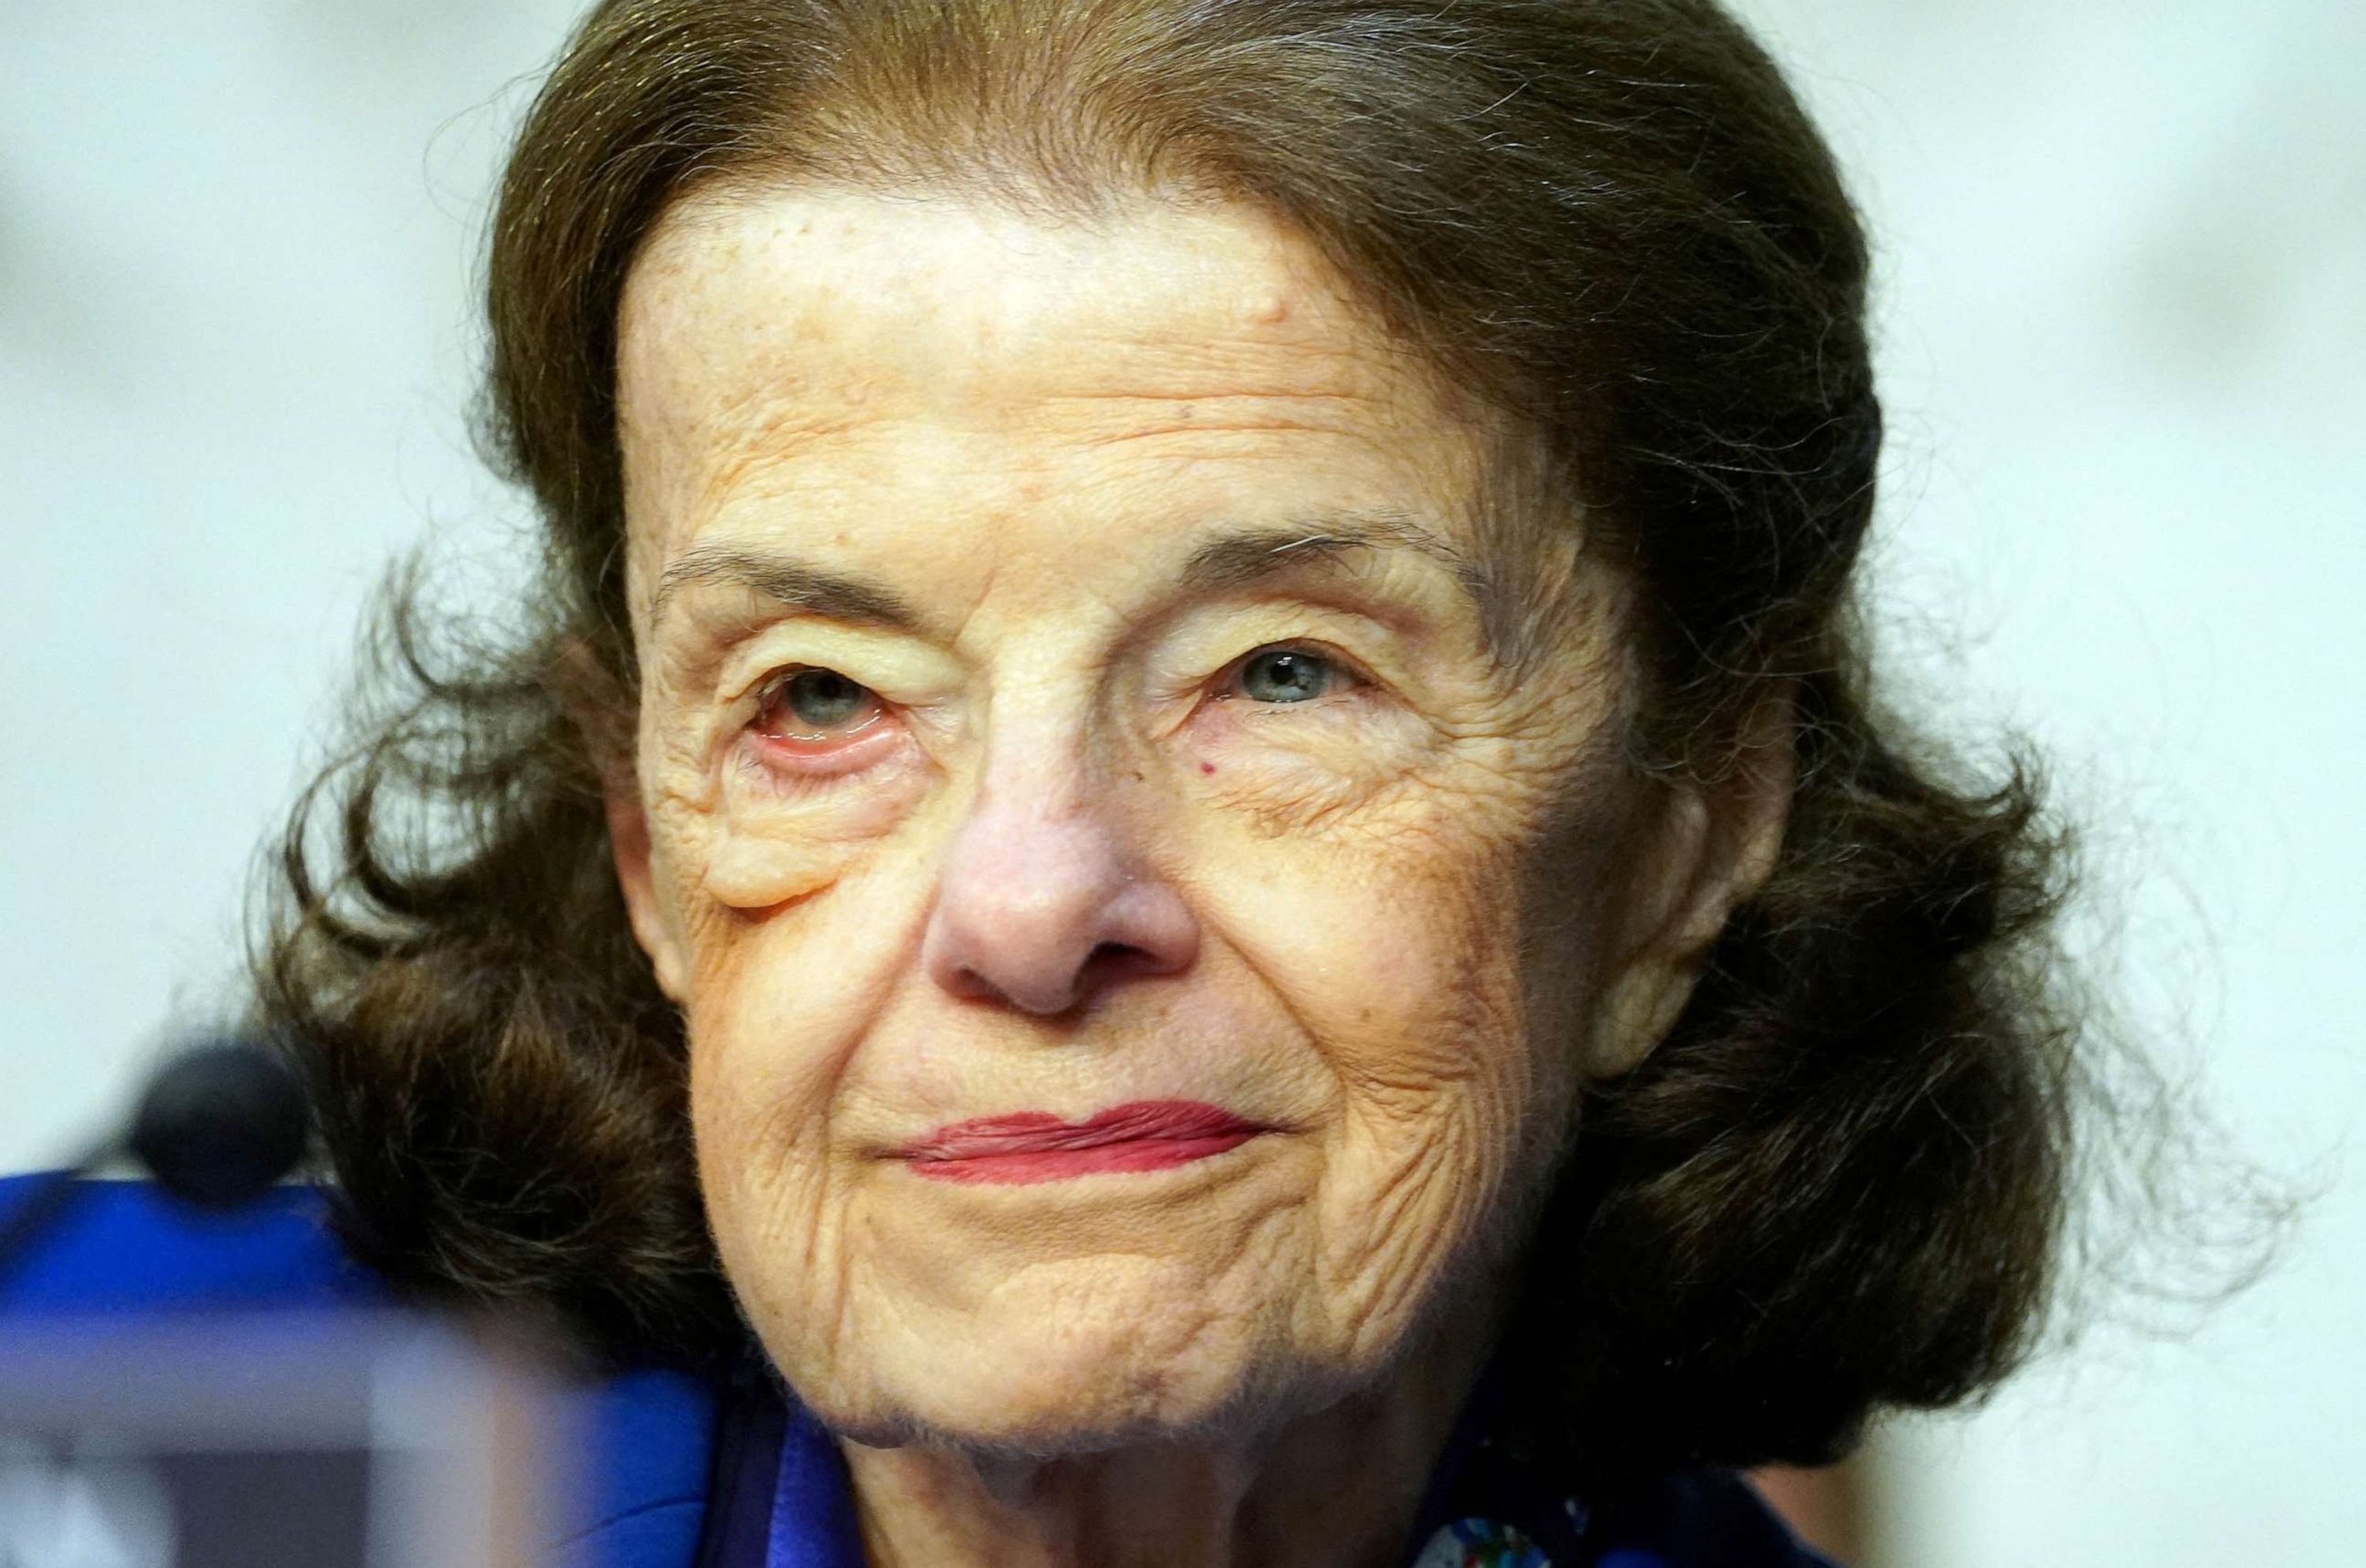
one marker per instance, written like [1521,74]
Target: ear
[1709,847]
[601,707]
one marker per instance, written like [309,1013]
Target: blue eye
[814,703]
[1286,676]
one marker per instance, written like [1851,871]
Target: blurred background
[2124,316]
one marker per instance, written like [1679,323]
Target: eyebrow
[834,595]
[1244,558]
[1253,556]
[1233,561]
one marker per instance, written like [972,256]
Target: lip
[1033,1145]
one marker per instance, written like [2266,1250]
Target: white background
[2124,313]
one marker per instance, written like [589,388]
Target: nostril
[1113,958]
[964,981]
[1047,994]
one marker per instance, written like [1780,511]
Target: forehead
[884,377]
[966,311]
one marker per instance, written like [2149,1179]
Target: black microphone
[217,1126]
[220,1124]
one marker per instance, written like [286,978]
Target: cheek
[754,870]
[1287,775]
[1414,991]
[797,920]
[1437,965]
[1412,933]
[781,996]
[783,1005]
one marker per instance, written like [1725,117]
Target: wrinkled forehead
[767,333]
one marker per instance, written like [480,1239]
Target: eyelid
[900,671]
[780,676]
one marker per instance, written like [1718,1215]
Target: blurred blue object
[125,1246]
[125,1261]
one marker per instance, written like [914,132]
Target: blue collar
[781,1498]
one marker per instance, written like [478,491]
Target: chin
[1024,1379]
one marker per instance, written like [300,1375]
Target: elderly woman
[1185,858]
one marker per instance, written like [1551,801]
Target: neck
[1337,1488]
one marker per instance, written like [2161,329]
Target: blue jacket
[684,1471]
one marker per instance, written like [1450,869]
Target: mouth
[1033,1146]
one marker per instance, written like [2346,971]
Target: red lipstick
[1032,1146]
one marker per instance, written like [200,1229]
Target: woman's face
[1140,924]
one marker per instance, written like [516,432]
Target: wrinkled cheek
[793,941]
[1447,1088]
[764,1053]
[778,1006]
[1435,1137]
[1435,1015]
[767,848]
[745,872]
[759,1079]
[786,989]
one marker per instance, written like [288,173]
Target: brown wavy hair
[1838,1185]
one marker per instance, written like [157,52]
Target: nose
[1040,906]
